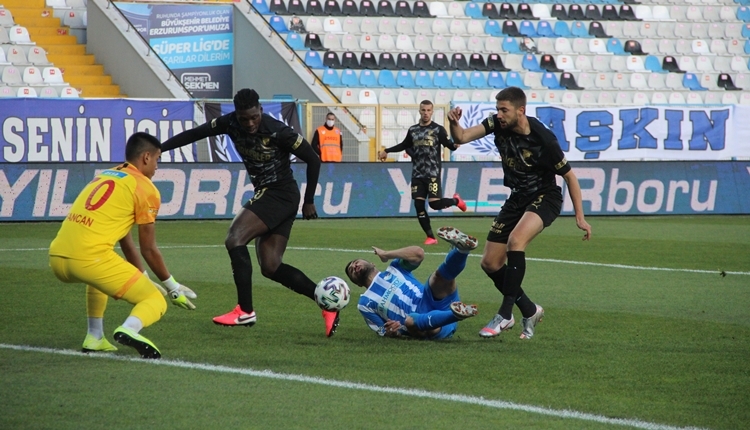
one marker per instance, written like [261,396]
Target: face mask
[330,123]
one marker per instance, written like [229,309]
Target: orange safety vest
[330,143]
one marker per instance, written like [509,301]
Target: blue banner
[78,130]
[218,190]
[195,41]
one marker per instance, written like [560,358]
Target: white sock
[96,327]
[133,323]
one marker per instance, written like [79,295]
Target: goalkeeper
[83,251]
[396,304]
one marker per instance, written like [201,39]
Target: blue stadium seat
[368,79]
[743,13]
[692,82]
[746,31]
[562,29]
[349,78]
[331,78]
[459,79]
[441,79]
[492,28]
[579,29]
[295,41]
[527,29]
[747,46]
[405,79]
[653,64]
[514,79]
[261,7]
[278,24]
[614,46]
[478,80]
[510,45]
[544,29]
[474,10]
[386,79]
[423,79]
[496,80]
[550,81]
[313,60]
[531,63]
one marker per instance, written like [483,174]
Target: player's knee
[490,266]
[268,269]
[436,205]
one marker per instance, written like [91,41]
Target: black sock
[515,271]
[423,218]
[498,278]
[527,307]
[242,271]
[443,203]
[293,278]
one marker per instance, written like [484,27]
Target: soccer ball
[332,294]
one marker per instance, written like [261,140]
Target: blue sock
[453,265]
[433,319]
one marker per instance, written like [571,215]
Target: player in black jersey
[423,143]
[531,158]
[265,145]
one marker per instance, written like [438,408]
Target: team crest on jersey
[491,121]
[265,141]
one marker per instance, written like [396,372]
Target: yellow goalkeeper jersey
[104,212]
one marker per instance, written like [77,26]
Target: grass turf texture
[664,347]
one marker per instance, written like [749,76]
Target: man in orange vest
[327,141]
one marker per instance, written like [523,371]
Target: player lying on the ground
[397,304]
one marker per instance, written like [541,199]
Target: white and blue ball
[332,294]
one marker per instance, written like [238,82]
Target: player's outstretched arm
[131,252]
[462,135]
[178,293]
[574,190]
[187,137]
[411,254]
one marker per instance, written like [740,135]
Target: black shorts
[425,188]
[547,204]
[276,206]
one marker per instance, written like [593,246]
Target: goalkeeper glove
[179,294]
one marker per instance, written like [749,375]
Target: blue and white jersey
[393,295]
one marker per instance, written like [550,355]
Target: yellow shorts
[111,274]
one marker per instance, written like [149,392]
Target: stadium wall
[45,191]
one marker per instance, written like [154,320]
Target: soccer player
[265,145]
[531,158]
[397,304]
[83,251]
[423,143]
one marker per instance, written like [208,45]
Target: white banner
[630,133]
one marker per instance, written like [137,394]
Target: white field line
[360,251]
[456,398]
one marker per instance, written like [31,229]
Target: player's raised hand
[382,155]
[381,254]
[454,114]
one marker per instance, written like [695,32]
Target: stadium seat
[676,98]
[313,7]
[473,10]
[457,27]
[674,81]
[387,96]
[458,62]
[456,9]
[457,44]
[295,41]
[386,79]
[422,62]
[332,8]
[550,81]
[441,79]
[367,78]
[544,29]
[576,12]
[32,76]
[422,43]
[349,60]
[559,12]
[312,41]
[478,79]
[26,92]
[332,24]
[579,29]
[404,79]
[438,9]
[531,63]
[510,45]
[367,97]
[492,28]
[598,46]
[406,97]
[527,29]
[729,99]
[443,97]
[478,96]
[460,96]
[330,60]
[349,78]
[691,82]
[49,92]
[278,24]
[18,34]
[509,28]
[541,11]
[582,62]
[295,7]
[655,81]
[439,26]
[12,76]
[562,29]
[614,46]
[439,43]
[277,7]
[52,76]
[423,79]
[260,6]
[514,79]
[568,81]
[475,27]
[331,77]
[743,13]
[459,79]
[386,43]
[496,80]
[569,98]
[349,8]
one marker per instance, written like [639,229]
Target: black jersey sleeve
[489,124]
[444,140]
[304,152]
[214,127]
[406,143]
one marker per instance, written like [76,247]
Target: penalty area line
[410,392]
